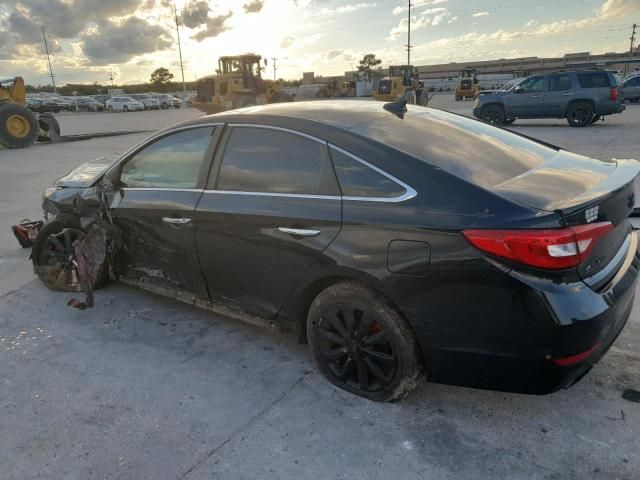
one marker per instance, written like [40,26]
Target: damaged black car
[398,245]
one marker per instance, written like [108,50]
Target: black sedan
[398,244]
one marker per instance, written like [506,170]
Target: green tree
[161,77]
[368,62]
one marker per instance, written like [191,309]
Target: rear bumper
[610,108]
[543,322]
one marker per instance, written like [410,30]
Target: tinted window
[173,161]
[477,152]
[358,180]
[634,82]
[559,82]
[594,80]
[266,160]
[533,84]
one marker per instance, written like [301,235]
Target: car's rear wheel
[493,114]
[362,344]
[580,114]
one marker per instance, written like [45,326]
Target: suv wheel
[580,114]
[493,114]
[362,344]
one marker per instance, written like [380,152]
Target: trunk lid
[583,191]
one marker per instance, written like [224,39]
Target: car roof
[340,113]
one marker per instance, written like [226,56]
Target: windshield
[511,83]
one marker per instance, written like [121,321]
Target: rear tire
[362,344]
[18,126]
[580,114]
[493,114]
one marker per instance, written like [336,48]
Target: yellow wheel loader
[469,86]
[18,125]
[237,83]
[401,83]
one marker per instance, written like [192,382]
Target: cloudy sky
[92,38]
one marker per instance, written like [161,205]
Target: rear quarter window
[594,80]
[474,151]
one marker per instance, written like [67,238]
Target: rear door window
[358,179]
[559,83]
[594,80]
[265,160]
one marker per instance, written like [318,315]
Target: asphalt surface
[142,387]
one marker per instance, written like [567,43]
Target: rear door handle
[535,96]
[176,221]
[567,94]
[299,232]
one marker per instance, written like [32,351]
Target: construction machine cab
[468,86]
[238,83]
[401,83]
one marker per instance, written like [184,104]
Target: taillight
[613,94]
[553,249]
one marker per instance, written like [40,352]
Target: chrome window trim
[163,189]
[407,195]
[280,129]
[275,194]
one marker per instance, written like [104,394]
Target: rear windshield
[474,151]
[594,80]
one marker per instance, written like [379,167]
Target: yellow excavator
[401,83]
[237,83]
[18,125]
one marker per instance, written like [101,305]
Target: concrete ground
[142,387]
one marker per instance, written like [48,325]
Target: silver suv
[581,97]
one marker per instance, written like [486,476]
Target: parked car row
[99,103]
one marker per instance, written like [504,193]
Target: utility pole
[633,39]
[46,47]
[111,77]
[409,46]
[273,59]
[184,88]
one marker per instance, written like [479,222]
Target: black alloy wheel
[493,114]
[580,114]
[362,344]
[54,257]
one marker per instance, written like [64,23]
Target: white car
[147,100]
[124,104]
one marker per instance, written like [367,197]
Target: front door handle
[176,221]
[299,232]
[535,96]
[567,94]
